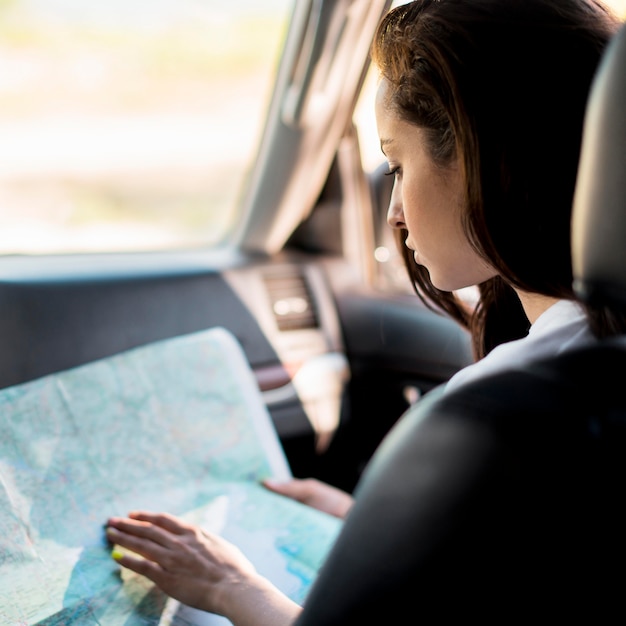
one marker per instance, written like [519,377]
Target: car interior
[338,357]
[510,488]
[515,477]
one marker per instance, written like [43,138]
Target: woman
[489,102]
[479,111]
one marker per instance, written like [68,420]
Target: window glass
[390,272]
[130,124]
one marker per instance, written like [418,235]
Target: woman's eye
[393,171]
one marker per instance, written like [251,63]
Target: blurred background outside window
[130,124]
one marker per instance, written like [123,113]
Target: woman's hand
[314,493]
[198,568]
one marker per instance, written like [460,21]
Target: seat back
[502,500]
[599,216]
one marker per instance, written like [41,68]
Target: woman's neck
[534,304]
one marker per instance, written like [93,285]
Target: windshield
[130,124]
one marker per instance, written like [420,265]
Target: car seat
[504,500]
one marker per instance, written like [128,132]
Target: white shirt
[559,328]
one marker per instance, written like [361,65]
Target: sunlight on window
[619,6]
[130,124]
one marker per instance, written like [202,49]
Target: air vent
[291,299]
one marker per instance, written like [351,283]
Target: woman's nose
[395,214]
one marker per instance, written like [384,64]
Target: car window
[130,124]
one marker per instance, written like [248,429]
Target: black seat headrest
[599,211]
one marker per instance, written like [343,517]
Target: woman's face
[428,201]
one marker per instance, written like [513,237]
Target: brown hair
[502,85]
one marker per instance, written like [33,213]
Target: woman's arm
[199,568]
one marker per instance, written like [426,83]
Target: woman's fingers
[146,567]
[192,565]
[153,536]
[145,547]
[146,523]
[163,520]
[299,489]
[314,493]
[138,529]
[164,539]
